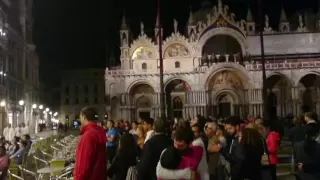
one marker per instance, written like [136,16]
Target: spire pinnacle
[283,17]
[249,15]
[124,25]
[190,20]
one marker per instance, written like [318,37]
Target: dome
[201,14]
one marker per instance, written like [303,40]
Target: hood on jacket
[102,138]
[98,132]
[274,135]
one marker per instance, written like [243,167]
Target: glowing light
[34,106]
[40,107]
[3,103]
[21,102]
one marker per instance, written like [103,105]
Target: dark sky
[76,33]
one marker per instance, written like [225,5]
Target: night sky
[73,34]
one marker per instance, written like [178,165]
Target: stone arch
[136,83]
[170,80]
[309,88]
[245,77]
[235,98]
[303,74]
[222,31]
[274,78]
[143,102]
[279,93]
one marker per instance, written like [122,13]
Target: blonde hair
[141,130]
[257,127]
[258,121]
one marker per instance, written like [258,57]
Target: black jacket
[120,165]
[150,156]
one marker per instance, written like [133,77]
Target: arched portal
[141,95]
[279,95]
[227,94]
[309,92]
[225,102]
[221,48]
[175,97]
[115,108]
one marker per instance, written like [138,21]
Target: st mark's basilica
[214,69]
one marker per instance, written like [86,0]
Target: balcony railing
[270,65]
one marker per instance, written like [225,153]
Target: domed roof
[201,14]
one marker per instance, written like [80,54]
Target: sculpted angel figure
[225,10]
[215,11]
[209,19]
[300,21]
[175,25]
[141,28]
[266,21]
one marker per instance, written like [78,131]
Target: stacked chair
[44,154]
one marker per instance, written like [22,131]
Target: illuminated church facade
[215,70]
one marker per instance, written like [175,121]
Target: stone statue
[225,10]
[141,28]
[209,19]
[232,17]
[300,21]
[266,21]
[175,26]
[124,39]
[215,11]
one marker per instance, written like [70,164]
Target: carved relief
[143,53]
[176,50]
[226,79]
[143,102]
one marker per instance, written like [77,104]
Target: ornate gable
[143,48]
[220,17]
[176,45]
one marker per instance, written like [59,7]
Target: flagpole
[264,77]
[162,98]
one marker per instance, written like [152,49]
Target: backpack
[132,173]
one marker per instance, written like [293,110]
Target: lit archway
[176,90]
[227,94]
[279,95]
[308,92]
[141,95]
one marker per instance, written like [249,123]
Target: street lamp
[3,103]
[21,102]
[50,112]
[34,106]
[55,114]
[41,107]
[47,109]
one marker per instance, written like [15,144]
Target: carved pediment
[144,44]
[221,17]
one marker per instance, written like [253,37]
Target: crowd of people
[197,149]
[14,144]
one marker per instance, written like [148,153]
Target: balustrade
[210,60]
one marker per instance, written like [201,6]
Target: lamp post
[22,104]
[34,120]
[3,114]
[264,77]
[162,98]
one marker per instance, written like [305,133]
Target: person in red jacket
[91,161]
[272,142]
